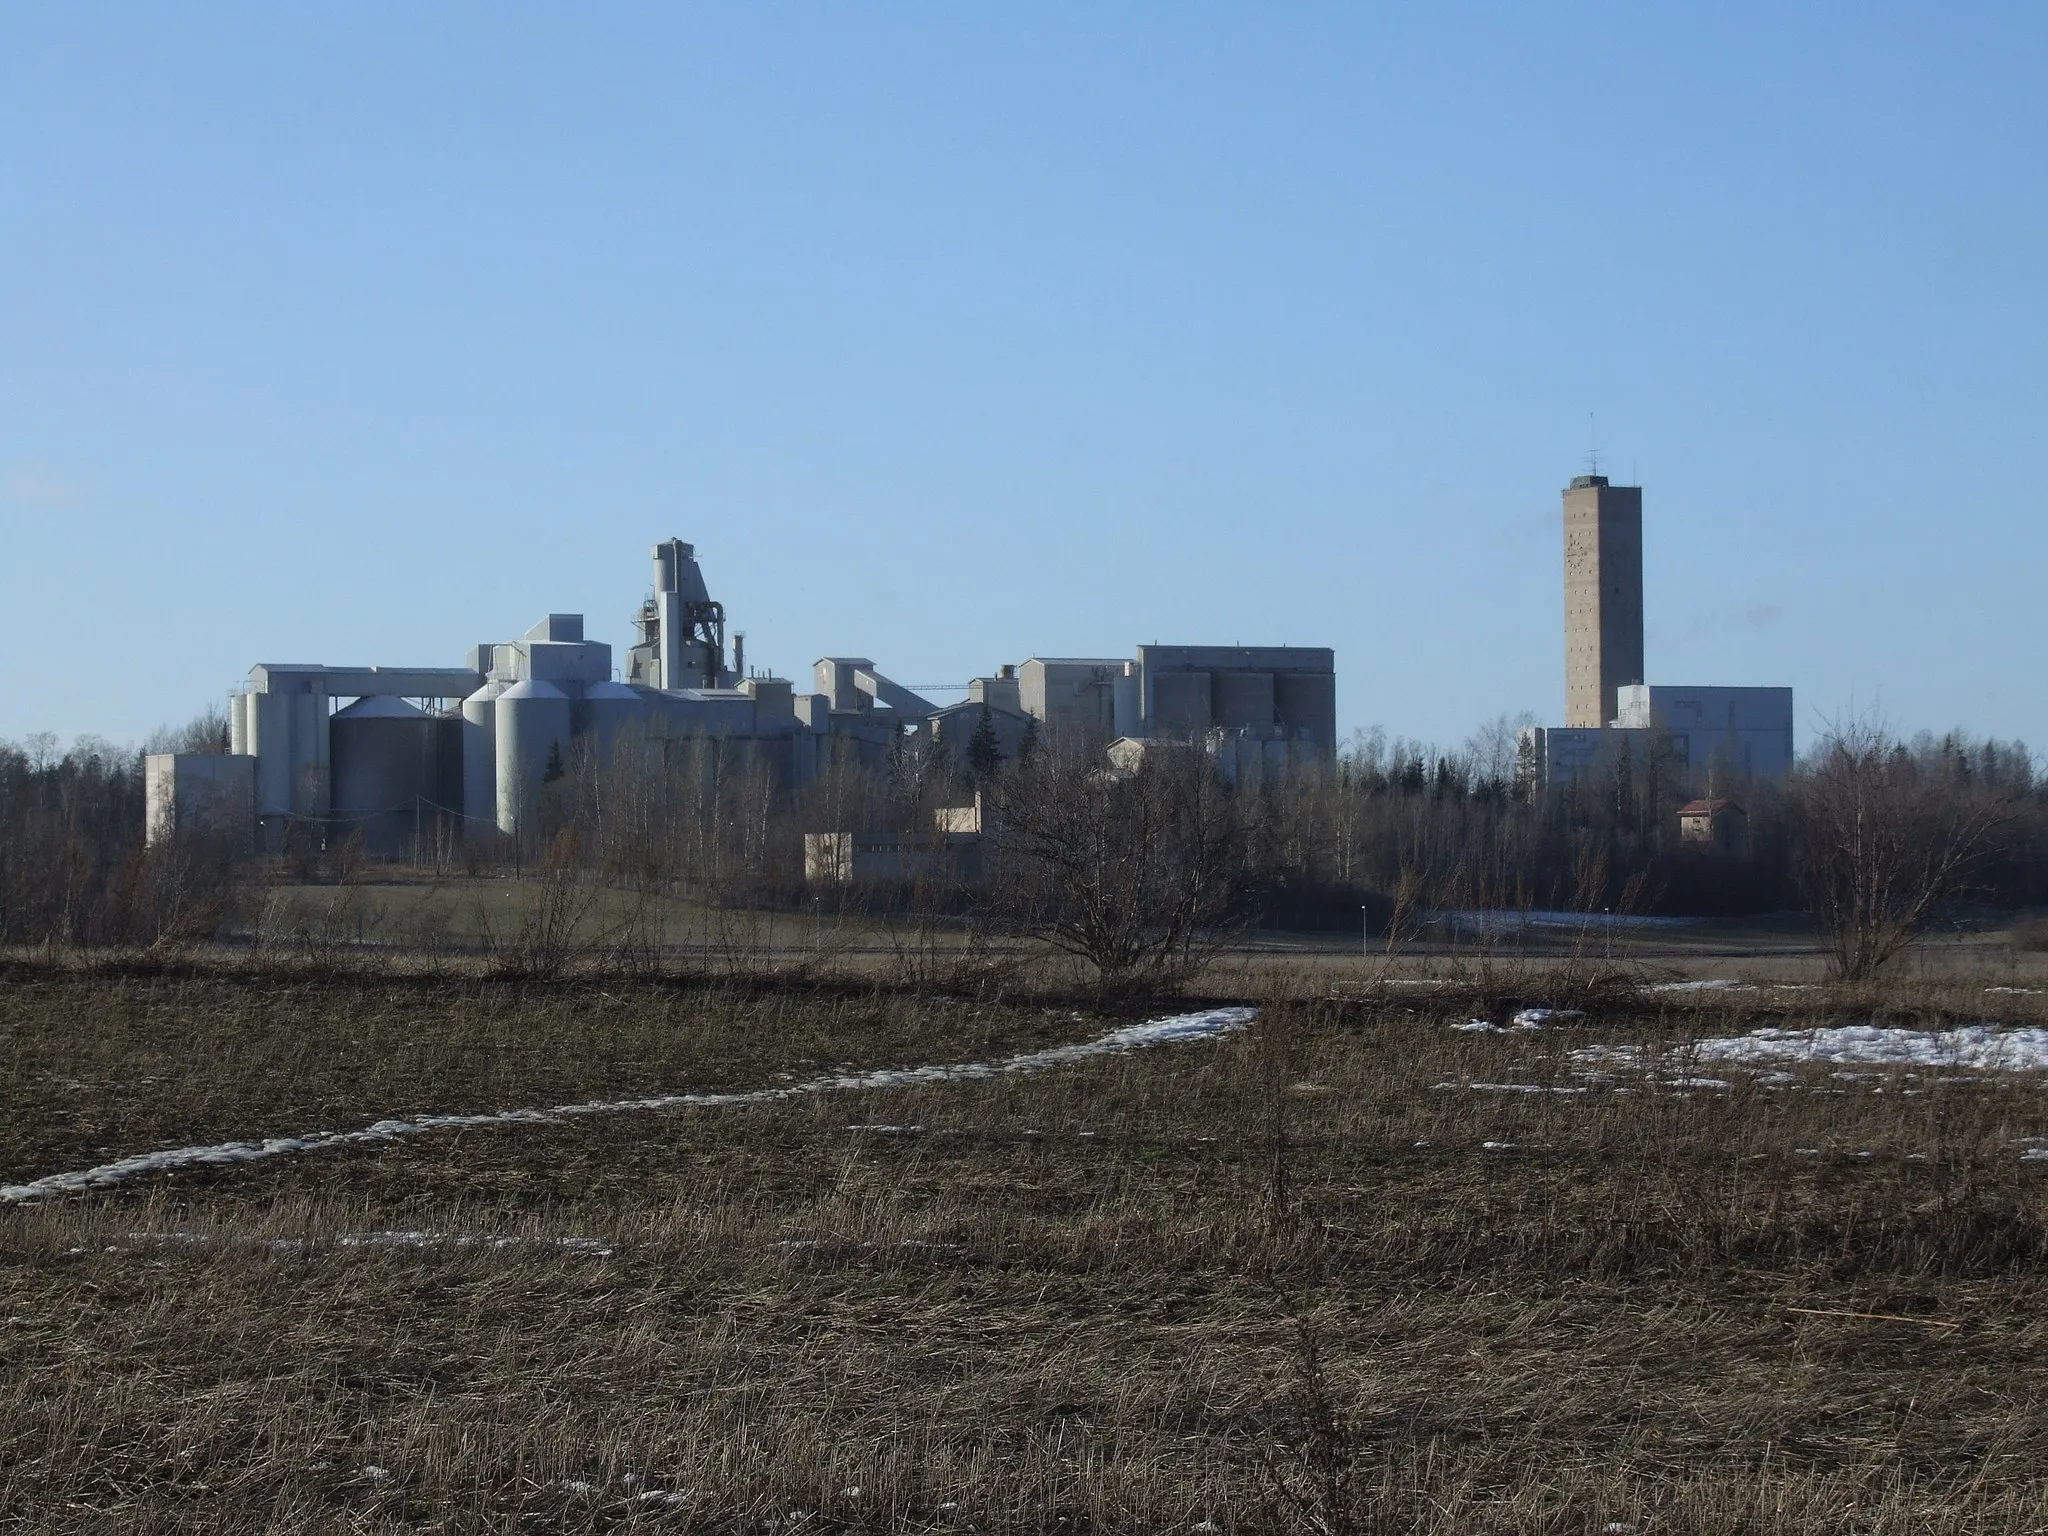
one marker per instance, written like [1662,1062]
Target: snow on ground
[1528,1018]
[1505,1088]
[1975,1046]
[1206,1025]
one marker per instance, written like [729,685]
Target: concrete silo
[532,725]
[382,752]
[480,757]
[603,710]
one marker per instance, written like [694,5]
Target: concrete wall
[205,793]
[1553,757]
[1003,692]
[1603,597]
[1268,690]
[1074,697]
[1731,733]
[951,730]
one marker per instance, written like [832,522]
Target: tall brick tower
[1603,596]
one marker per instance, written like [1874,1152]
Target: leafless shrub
[1309,1461]
[550,933]
[1140,873]
[1885,837]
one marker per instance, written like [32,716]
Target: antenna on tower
[1592,447]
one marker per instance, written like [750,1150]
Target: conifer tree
[984,752]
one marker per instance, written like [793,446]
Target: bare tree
[1884,838]
[1136,871]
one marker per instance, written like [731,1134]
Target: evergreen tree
[984,752]
[1029,744]
[554,769]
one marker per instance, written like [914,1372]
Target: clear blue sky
[956,334]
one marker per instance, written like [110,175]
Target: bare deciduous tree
[1135,871]
[1884,838]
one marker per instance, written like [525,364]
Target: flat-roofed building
[1729,734]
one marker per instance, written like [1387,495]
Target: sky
[952,335]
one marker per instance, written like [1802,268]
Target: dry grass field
[1357,1267]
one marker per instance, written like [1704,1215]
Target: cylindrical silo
[382,768]
[604,710]
[480,758]
[532,726]
[238,724]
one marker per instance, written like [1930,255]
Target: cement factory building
[402,754]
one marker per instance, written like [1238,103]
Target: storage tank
[604,710]
[480,758]
[532,722]
[382,760]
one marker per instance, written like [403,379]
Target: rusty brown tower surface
[1603,596]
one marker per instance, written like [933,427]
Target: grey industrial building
[1704,736]
[403,754]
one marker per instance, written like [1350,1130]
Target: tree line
[1135,865]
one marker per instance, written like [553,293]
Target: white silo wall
[480,758]
[603,711]
[532,718]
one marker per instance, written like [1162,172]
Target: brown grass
[1274,1283]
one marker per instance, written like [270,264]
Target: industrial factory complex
[398,755]
[394,753]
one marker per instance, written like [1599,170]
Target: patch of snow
[1715,984]
[887,1130]
[1507,1088]
[1477,1027]
[1497,1146]
[2035,1155]
[1205,1025]
[1977,1046]
[1536,1018]
[2016,991]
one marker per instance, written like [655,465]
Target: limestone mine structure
[403,756]
[1706,736]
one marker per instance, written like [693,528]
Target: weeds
[1314,1277]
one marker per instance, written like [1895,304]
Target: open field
[470,915]
[1360,1266]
